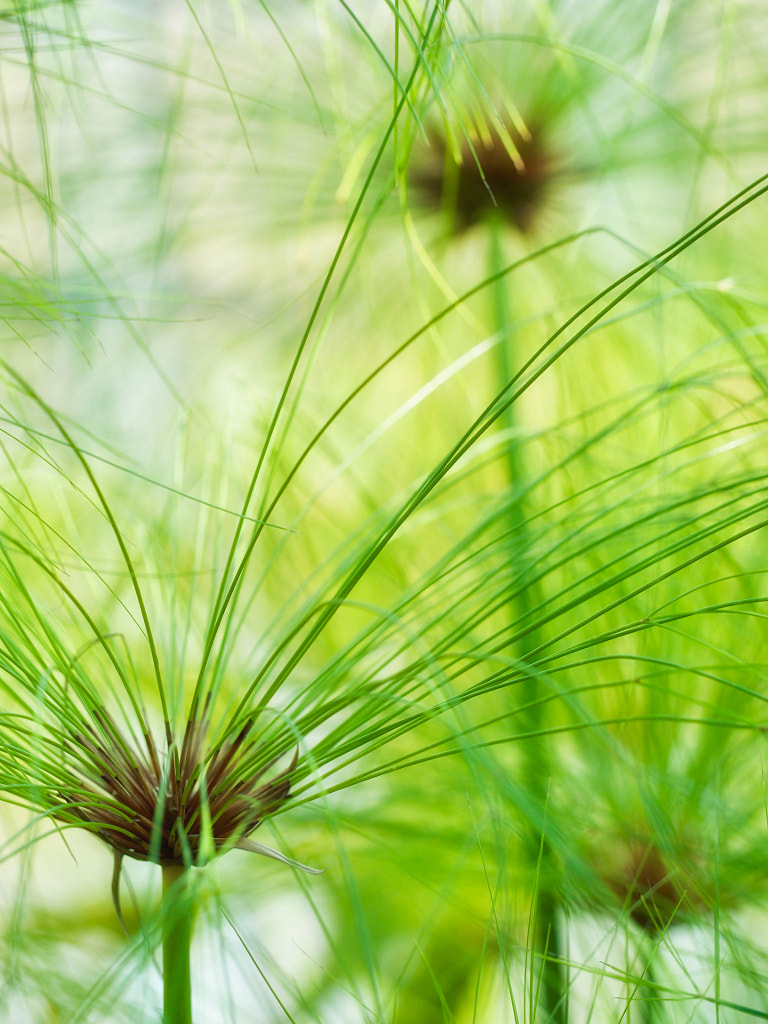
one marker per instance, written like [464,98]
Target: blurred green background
[466,303]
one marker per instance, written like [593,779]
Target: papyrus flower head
[503,171]
[180,807]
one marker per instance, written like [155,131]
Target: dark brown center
[163,809]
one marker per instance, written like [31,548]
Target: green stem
[177,942]
[649,994]
[547,933]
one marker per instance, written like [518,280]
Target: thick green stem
[177,943]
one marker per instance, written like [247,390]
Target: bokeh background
[378,250]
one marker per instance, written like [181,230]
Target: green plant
[449,531]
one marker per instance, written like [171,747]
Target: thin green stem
[177,943]
[547,936]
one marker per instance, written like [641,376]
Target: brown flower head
[176,809]
[501,171]
[653,891]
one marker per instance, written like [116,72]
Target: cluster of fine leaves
[389,386]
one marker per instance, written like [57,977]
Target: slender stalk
[547,937]
[648,995]
[177,942]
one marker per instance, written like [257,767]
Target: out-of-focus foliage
[392,379]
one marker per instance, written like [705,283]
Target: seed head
[174,809]
[500,171]
[654,893]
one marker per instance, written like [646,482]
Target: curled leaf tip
[116,888]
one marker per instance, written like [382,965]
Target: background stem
[547,937]
[177,942]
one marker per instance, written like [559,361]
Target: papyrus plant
[138,704]
[184,656]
